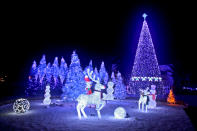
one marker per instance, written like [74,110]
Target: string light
[119,113]
[21,105]
[145,70]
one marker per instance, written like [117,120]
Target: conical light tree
[55,70]
[113,78]
[103,74]
[90,67]
[63,70]
[42,68]
[34,70]
[96,73]
[32,79]
[120,91]
[145,70]
[171,98]
[48,73]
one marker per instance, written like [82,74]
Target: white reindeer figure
[94,98]
[143,98]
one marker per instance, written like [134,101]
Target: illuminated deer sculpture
[143,98]
[94,98]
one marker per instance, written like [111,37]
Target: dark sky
[98,30]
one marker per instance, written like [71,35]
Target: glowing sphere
[120,113]
[21,105]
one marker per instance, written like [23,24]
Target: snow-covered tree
[103,74]
[47,100]
[120,91]
[75,78]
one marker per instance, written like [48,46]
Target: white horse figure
[94,98]
[143,98]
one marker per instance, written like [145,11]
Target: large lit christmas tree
[75,79]
[145,71]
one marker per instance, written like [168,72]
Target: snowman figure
[47,100]
[152,97]
[110,90]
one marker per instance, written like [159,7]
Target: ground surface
[64,117]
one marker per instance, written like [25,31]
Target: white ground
[64,117]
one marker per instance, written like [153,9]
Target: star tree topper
[144,15]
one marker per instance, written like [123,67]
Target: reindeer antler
[90,76]
[141,90]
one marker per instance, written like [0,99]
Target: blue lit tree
[75,79]
[34,70]
[113,78]
[90,67]
[63,70]
[36,91]
[65,92]
[48,73]
[32,80]
[42,68]
[55,71]
[120,91]
[103,74]
[145,70]
[96,72]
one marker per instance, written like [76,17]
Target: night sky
[97,30]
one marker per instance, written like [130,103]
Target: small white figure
[47,100]
[152,97]
[143,98]
[110,91]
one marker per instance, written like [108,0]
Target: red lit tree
[171,98]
